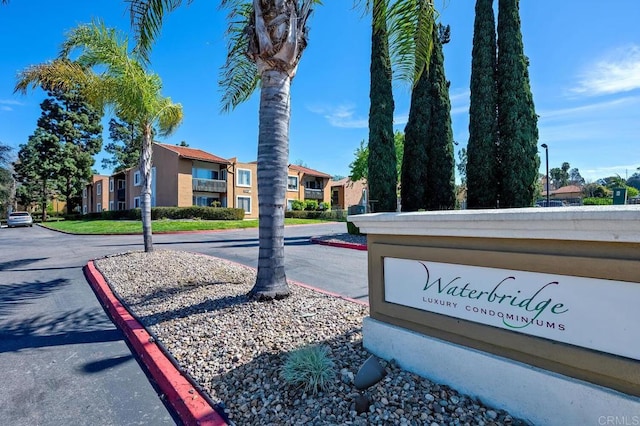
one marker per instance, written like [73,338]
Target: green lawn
[158,226]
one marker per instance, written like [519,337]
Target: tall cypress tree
[125,145]
[382,174]
[517,119]
[413,181]
[441,182]
[482,154]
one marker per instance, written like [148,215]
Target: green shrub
[309,368]
[311,205]
[352,229]
[596,201]
[297,205]
[324,206]
[337,215]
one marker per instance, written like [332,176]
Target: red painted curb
[341,245]
[188,403]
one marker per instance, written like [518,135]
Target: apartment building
[183,176]
[95,197]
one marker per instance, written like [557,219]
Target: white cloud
[583,110]
[10,102]
[341,116]
[617,72]
[6,104]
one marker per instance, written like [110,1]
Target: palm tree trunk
[273,157]
[145,196]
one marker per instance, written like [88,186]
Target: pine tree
[76,124]
[382,175]
[441,183]
[482,154]
[125,146]
[517,119]
[37,168]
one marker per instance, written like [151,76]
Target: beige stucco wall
[234,191]
[166,164]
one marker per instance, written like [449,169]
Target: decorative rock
[234,348]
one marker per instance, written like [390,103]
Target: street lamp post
[546,149]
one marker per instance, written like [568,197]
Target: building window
[198,173]
[121,205]
[84,209]
[290,204]
[136,203]
[136,179]
[292,183]
[99,188]
[110,205]
[244,177]
[244,203]
[99,207]
[111,185]
[202,201]
[120,184]
[84,193]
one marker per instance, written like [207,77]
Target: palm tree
[266,39]
[122,85]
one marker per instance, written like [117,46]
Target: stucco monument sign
[533,310]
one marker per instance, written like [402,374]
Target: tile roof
[193,153]
[308,171]
[567,189]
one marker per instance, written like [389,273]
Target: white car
[19,219]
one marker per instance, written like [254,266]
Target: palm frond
[411,31]
[239,75]
[59,74]
[169,116]
[146,19]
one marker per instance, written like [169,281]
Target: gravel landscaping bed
[235,348]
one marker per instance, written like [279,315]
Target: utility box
[619,196]
[356,209]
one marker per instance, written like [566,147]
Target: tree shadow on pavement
[14,295]
[64,328]
[12,264]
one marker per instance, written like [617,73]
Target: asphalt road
[63,362]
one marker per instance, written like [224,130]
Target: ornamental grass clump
[309,368]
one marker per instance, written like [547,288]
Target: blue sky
[584,69]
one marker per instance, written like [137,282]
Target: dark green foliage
[428,167]
[6,179]
[311,205]
[352,229]
[517,119]
[597,201]
[413,178]
[559,176]
[297,205]
[37,168]
[482,148]
[441,184]
[204,213]
[77,126]
[359,166]
[125,146]
[382,173]
[337,215]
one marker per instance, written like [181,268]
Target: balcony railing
[313,194]
[209,185]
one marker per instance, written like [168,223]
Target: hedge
[193,212]
[338,215]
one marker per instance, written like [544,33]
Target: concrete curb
[353,246]
[191,407]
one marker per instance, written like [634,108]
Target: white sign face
[597,314]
